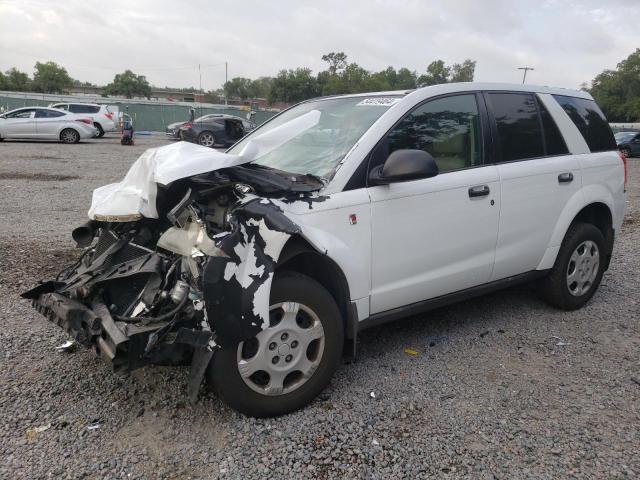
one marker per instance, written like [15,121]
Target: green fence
[147,116]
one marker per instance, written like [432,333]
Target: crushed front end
[173,289]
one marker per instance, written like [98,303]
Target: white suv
[338,214]
[103,118]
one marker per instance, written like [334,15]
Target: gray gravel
[490,393]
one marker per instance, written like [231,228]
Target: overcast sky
[566,41]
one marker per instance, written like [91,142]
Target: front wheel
[626,152]
[288,364]
[69,135]
[578,269]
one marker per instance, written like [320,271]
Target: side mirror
[404,165]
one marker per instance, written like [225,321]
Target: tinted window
[20,114]
[589,119]
[519,130]
[553,141]
[447,128]
[84,109]
[48,114]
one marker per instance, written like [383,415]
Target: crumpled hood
[135,196]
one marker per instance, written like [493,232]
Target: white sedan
[42,123]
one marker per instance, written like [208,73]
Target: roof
[468,86]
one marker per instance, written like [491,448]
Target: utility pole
[200,74]
[226,71]
[524,77]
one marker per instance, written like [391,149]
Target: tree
[260,87]
[293,86]
[49,77]
[3,81]
[17,81]
[237,87]
[463,72]
[618,91]
[337,62]
[437,73]
[129,84]
[405,79]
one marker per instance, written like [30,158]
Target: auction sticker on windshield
[378,101]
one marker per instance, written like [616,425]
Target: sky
[567,42]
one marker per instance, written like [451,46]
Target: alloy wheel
[206,139]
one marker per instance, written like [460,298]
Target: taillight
[626,169]
[84,120]
[109,116]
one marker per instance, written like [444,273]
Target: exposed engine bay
[174,288]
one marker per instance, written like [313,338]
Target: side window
[21,114]
[93,109]
[62,107]
[553,140]
[447,128]
[75,108]
[519,130]
[48,114]
[590,120]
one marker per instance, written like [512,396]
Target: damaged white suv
[253,266]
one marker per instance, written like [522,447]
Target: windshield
[313,137]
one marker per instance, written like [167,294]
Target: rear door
[48,123]
[20,124]
[537,178]
[436,235]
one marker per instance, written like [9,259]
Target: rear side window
[519,130]
[590,120]
[84,108]
[48,114]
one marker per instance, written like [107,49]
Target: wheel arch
[598,212]
[300,256]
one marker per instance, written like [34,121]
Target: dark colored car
[628,143]
[173,130]
[216,130]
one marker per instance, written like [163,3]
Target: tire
[69,135]
[252,396]
[206,139]
[626,152]
[567,292]
[100,130]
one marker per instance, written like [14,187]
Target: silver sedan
[41,123]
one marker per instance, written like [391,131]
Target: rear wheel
[289,363]
[69,135]
[100,130]
[626,152]
[578,269]
[206,139]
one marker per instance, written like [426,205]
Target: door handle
[566,177]
[479,191]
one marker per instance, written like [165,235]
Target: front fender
[236,287]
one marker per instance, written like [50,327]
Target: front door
[20,124]
[437,235]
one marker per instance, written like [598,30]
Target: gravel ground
[501,387]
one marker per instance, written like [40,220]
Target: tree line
[341,76]
[618,91]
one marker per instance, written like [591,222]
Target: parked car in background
[173,130]
[103,118]
[628,143]
[215,130]
[42,123]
